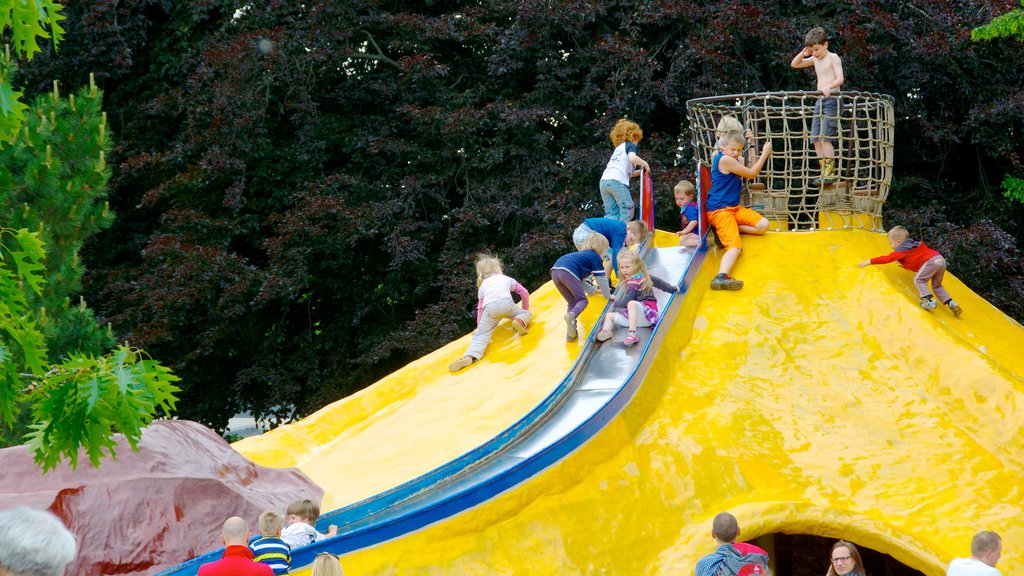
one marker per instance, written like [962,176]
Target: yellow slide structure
[818,400]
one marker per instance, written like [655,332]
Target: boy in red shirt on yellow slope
[926,262]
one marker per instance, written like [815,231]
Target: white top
[620,167]
[299,534]
[495,289]
[970,567]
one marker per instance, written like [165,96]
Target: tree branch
[379,55]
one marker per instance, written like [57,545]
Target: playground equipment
[802,406]
[790,191]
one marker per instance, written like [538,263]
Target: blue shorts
[825,124]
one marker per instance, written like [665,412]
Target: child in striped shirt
[268,547]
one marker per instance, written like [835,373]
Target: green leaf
[92,400]
[1009,25]
[29,259]
[12,112]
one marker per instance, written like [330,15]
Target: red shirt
[748,548]
[237,561]
[910,258]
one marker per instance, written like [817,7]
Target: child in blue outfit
[685,193]
[638,307]
[569,272]
[617,232]
[618,202]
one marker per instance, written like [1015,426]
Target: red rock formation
[152,509]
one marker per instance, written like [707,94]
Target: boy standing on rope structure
[829,70]
[724,210]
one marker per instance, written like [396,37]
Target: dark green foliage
[302,186]
[23,25]
[53,179]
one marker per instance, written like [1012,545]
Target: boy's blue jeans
[618,202]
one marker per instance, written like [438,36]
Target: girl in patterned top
[638,307]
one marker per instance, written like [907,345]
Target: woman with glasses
[326,565]
[845,560]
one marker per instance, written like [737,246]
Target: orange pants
[728,220]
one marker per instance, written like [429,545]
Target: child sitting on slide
[638,307]
[684,193]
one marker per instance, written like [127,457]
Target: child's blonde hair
[732,137]
[625,131]
[639,267]
[270,523]
[685,187]
[486,266]
[326,565]
[305,509]
[596,242]
[898,233]
[638,227]
[728,124]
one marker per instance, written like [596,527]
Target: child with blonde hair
[729,123]
[268,548]
[569,272]
[685,194]
[927,264]
[618,202]
[638,307]
[494,302]
[326,564]
[725,213]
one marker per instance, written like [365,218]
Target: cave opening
[808,555]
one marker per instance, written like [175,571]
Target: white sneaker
[955,308]
[929,303]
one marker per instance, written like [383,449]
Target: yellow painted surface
[422,416]
[820,399]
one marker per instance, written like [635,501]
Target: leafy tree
[29,21]
[301,186]
[53,179]
[53,174]
[1009,25]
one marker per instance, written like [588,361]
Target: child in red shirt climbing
[928,264]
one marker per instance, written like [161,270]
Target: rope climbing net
[792,191]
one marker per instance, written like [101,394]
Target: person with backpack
[732,558]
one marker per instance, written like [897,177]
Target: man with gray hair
[986,548]
[34,543]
